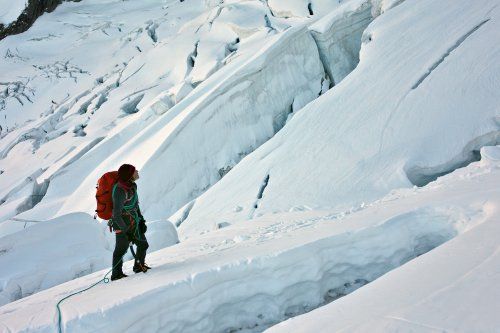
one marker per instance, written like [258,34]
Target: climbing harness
[131,210]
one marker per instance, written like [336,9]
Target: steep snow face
[248,102]
[419,104]
[250,276]
[246,108]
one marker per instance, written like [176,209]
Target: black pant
[121,247]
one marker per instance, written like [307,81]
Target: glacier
[306,165]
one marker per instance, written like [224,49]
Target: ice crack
[448,52]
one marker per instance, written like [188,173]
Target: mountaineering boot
[118,276]
[138,268]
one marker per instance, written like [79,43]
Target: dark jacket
[122,219]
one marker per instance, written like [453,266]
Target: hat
[125,172]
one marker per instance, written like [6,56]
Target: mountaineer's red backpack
[104,194]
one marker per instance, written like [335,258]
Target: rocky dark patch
[34,9]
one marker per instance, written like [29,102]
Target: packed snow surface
[448,290]
[251,276]
[451,289]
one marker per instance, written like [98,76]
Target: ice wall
[183,152]
[338,36]
[219,129]
[417,103]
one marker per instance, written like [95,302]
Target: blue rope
[105,279]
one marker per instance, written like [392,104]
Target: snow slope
[422,101]
[54,78]
[186,144]
[98,115]
[338,36]
[250,276]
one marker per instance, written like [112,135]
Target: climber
[127,222]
